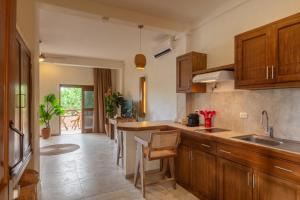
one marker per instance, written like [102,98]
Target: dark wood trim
[229,67]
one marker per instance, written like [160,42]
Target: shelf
[229,67]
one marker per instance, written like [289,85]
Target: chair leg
[137,166]
[165,167]
[142,171]
[172,171]
[122,149]
[118,153]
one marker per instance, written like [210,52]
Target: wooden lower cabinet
[267,187]
[234,181]
[211,174]
[183,166]
[203,178]
[196,171]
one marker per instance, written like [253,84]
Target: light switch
[243,115]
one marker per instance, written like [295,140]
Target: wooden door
[183,166]
[87,109]
[254,58]
[287,40]
[184,73]
[25,96]
[234,181]
[203,177]
[7,58]
[268,187]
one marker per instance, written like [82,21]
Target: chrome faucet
[269,130]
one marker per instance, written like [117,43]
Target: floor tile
[91,173]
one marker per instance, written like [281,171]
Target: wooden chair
[162,146]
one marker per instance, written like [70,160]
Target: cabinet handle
[248,176]
[267,74]
[272,72]
[205,145]
[192,155]
[283,169]
[227,152]
[15,130]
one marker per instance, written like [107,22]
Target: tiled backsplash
[282,105]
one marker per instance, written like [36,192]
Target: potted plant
[47,111]
[113,101]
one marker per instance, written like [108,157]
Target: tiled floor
[90,173]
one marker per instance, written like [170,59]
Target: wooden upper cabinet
[253,57]
[234,181]
[287,40]
[269,56]
[268,187]
[186,65]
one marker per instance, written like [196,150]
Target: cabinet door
[15,111]
[184,73]
[268,187]
[25,100]
[203,178]
[183,166]
[235,182]
[253,58]
[287,36]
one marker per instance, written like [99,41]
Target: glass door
[87,109]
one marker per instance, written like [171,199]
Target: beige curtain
[102,82]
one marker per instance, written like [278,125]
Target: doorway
[78,103]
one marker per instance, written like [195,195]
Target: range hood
[218,76]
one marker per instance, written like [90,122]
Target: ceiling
[74,34]
[185,11]
[68,34]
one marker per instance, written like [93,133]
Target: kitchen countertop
[222,137]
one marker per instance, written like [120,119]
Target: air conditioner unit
[164,47]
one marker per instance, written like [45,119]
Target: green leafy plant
[49,109]
[112,100]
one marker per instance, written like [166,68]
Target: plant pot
[46,133]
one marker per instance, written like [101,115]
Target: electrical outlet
[243,115]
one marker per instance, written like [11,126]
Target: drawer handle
[205,145]
[223,151]
[284,169]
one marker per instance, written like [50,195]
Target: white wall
[51,76]
[216,38]
[161,82]
[28,27]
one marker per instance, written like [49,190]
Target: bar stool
[162,146]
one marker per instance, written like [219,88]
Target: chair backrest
[164,140]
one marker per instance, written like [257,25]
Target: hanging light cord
[140,27]
[140,39]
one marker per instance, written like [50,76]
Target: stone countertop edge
[221,137]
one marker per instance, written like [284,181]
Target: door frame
[82,100]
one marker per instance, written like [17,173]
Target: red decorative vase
[207,123]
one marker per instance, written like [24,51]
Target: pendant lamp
[140,59]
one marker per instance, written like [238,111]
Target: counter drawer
[200,144]
[271,165]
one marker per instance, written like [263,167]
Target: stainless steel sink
[268,141]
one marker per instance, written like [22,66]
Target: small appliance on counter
[193,120]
